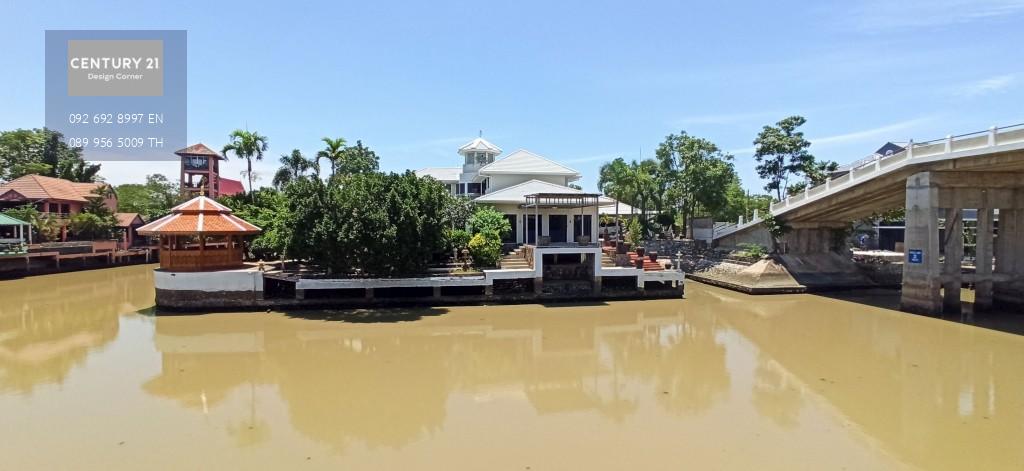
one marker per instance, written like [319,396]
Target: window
[473,188]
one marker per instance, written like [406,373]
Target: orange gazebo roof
[199,215]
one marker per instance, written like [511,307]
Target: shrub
[634,234]
[488,219]
[88,226]
[458,239]
[752,250]
[485,248]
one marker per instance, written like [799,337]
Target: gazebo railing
[196,260]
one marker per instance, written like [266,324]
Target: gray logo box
[115,67]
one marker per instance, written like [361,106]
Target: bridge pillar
[931,286]
[921,269]
[952,271]
[983,261]
[1008,287]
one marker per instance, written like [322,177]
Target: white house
[528,188]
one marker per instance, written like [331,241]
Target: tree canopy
[43,152]
[781,152]
[379,224]
[699,174]
[152,199]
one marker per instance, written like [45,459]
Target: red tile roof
[198,149]
[200,215]
[38,187]
[230,187]
[127,219]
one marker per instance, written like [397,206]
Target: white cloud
[886,132]
[887,15]
[873,135]
[985,86]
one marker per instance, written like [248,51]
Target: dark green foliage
[782,152]
[293,167]
[152,200]
[357,159]
[458,239]
[96,221]
[698,175]
[488,219]
[268,212]
[379,224]
[776,229]
[43,152]
[88,226]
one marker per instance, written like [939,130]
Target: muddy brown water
[90,379]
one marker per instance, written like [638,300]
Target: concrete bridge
[933,180]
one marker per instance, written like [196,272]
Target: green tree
[613,181]
[781,152]
[96,221]
[153,199]
[374,223]
[246,145]
[357,159]
[293,167]
[488,219]
[698,174]
[268,211]
[333,153]
[43,152]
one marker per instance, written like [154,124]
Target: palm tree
[613,182]
[246,145]
[293,166]
[334,153]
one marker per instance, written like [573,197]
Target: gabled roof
[128,219]
[479,145]
[516,194]
[443,174]
[524,162]
[198,149]
[38,187]
[6,220]
[228,187]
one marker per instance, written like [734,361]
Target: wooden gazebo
[200,235]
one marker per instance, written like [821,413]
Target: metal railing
[866,169]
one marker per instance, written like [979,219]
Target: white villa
[531,190]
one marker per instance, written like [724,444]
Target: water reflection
[928,389]
[724,379]
[49,324]
[389,385]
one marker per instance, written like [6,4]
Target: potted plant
[639,262]
[653,256]
[640,251]
[620,247]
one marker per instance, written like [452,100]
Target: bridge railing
[868,168]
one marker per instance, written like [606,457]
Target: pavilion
[13,233]
[200,235]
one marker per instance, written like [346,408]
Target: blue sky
[578,82]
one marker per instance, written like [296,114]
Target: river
[91,379]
